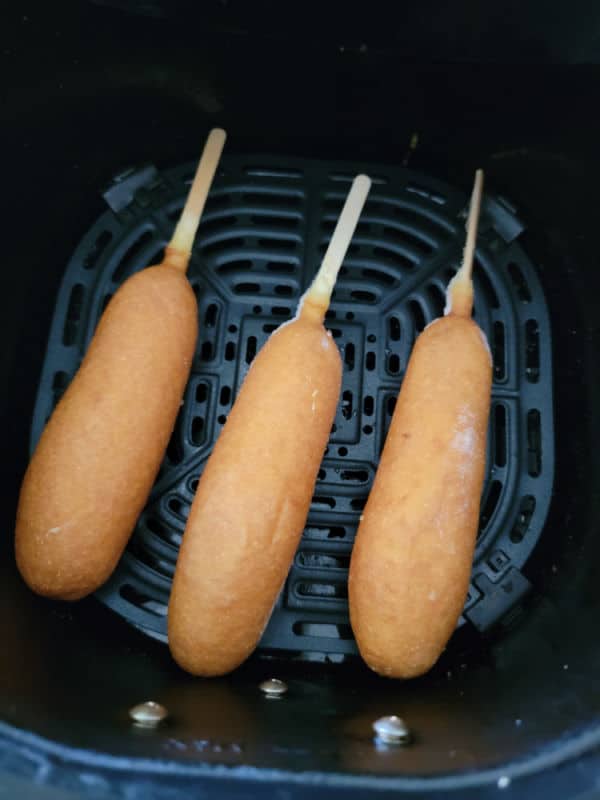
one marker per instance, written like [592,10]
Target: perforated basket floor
[261,240]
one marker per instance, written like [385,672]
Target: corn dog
[412,557]
[253,498]
[96,461]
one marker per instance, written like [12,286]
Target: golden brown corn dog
[253,498]
[94,466]
[412,557]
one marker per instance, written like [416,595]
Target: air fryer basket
[515,700]
[264,230]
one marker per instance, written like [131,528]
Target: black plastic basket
[261,239]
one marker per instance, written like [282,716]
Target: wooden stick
[183,238]
[472,224]
[460,288]
[322,286]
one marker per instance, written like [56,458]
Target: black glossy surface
[88,92]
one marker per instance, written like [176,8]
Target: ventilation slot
[319,501]
[358,503]
[246,288]
[377,276]
[394,329]
[521,526]
[532,351]
[500,435]
[310,560]
[347,404]
[333,203]
[281,267]
[132,258]
[242,266]
[284,290]
[175,212]
[197,431]
[324,532]
[105,301]
[437,298]
[349,352]
[222,243]
[371,361]
[363,296]
[151,559]
[498,349]
[175,446]
[277,245]
[267,199]
[417,314]
[490,503]
[281,311]
[393,365]
[269,327]
[368,405]
[178,507]
[534,443]
[519,282]
[393,257]
[440,229]
[322,591]
[210,227]
[225,396]
[201,392]
[141,600]
[230,351]
[214,204]
[59,384]
[410,238]
[275,223]
[73,314]
[354,475]
[211,315]
[322,630]
[251,345]
[206,351]
[162,531]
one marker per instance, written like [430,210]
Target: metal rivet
[273,687]
[391,730]
[148,714]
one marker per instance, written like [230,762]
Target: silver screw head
[391,730]
[273,687]
[148,714]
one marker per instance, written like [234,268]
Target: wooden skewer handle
[183,238]
[322,286]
